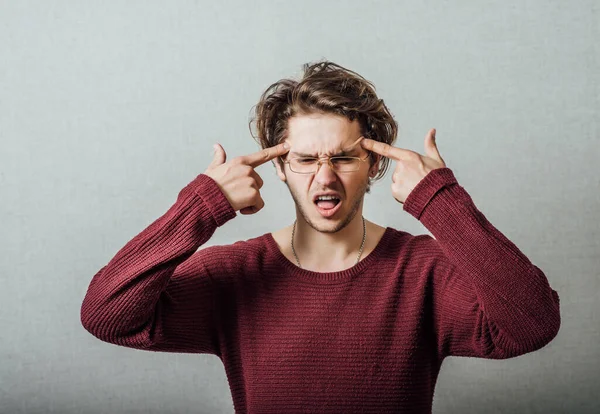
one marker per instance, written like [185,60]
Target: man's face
[320,135]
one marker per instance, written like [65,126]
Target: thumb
[430,145]
[219,155]
[431,148]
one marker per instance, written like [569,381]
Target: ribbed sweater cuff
[213,197]
[424,191]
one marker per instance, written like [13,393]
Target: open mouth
[327,204]
[328,208]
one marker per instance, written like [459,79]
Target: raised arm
[155,293]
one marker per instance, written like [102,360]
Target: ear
[375,167]
[279,171]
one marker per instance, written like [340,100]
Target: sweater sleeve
[155,294]
[488,299]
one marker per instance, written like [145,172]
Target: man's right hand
[237,178]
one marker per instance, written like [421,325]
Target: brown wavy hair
[328,88]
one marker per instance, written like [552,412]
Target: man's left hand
[411,166]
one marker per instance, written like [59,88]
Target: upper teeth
[327,198]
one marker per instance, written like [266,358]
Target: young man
[333,313]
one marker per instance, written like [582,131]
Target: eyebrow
[337,154]
[350,150]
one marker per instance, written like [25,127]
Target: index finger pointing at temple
[264,155]
[382,148]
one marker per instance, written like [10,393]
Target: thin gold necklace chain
[359,253]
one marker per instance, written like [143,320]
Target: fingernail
[286,145]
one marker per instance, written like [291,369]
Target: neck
[320,247]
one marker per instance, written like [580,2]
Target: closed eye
[343,159]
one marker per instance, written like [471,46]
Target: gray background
[108,109]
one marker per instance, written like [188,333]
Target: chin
[332,227]
[330,224]
[307,210]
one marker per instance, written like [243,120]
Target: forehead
[322,134]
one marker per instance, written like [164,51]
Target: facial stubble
[339,225]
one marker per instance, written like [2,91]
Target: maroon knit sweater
[368,339]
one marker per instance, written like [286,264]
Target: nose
[325,175]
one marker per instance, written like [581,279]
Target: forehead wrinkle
[328,154]
[344,151]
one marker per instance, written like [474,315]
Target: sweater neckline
[325,278]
